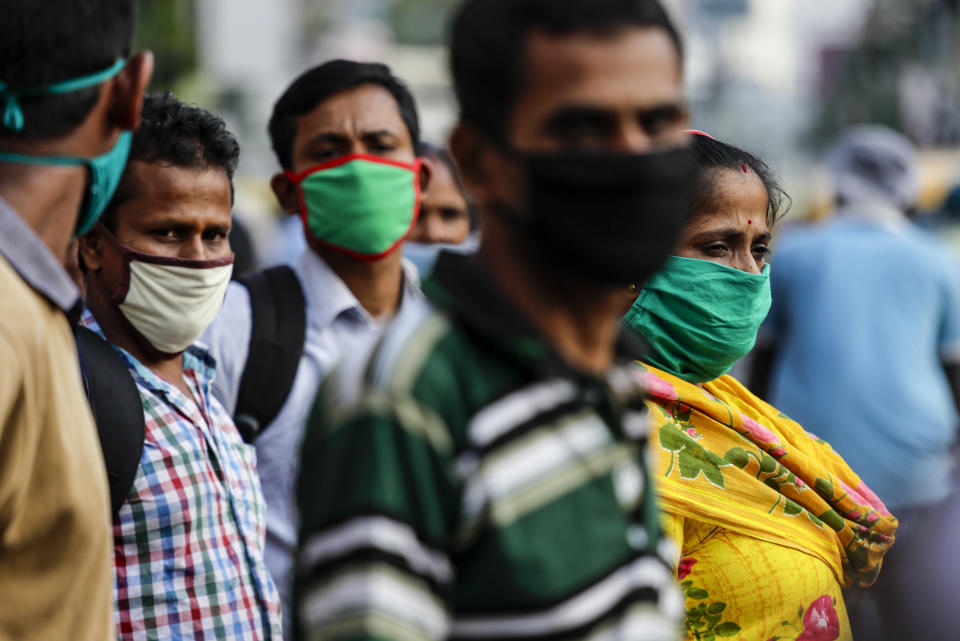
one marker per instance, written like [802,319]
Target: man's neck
[48,199]
[377,284]
[580,320]
[119,333]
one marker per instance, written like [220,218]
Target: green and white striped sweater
[460,481]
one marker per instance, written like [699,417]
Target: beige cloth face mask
[169,301]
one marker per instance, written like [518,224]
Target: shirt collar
[328,297]
[876,213]
[34,261]
[460,285]
[196,358]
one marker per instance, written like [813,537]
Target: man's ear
[91,249]
[128,89]
[286,192]
[471,151]
[488,176]
[426,174]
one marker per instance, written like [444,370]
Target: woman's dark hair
[441,155]
[713,156]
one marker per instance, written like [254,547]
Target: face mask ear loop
[120,294]
[12,111]
[297,180]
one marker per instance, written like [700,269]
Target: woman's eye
[165,234]
[761,250]
[715,249]
[450,214]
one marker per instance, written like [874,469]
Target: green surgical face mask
[361,205]
[700,317]
[105,170]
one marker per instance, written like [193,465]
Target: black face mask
[607,218]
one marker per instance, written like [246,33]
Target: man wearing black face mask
[479,474]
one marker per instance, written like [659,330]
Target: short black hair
[49,41]
[319,83]
[174,133]
[488,39]
[712,156]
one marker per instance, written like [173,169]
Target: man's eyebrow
[378,133]
[574,114]
[327,136]
[673,109]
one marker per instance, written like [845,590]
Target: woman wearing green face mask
[770,521]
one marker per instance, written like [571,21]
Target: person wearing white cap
[863,348]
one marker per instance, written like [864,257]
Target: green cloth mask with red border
[361,205]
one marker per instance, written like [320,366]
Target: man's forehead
[631,67]
[366,107]
[172,186]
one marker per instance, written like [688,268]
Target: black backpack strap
[117,409]
[279,314]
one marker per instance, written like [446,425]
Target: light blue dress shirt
[336,322]
[865,308]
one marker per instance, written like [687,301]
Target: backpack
[277,335]
[117,410]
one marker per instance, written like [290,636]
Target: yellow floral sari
[770,520]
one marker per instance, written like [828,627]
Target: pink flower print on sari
[656,386]
[693,433]
[686,565]
[820,621]
[865,496]
[762,435]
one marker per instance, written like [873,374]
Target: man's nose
[193,248]
[435,230]
[633,139]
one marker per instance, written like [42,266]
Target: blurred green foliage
[875,79]
[420,22]
[168,29]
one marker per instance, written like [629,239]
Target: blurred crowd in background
[486,299]
[783,79]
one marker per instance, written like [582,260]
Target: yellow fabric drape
[725,461]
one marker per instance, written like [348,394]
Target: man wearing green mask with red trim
[69,95]
[346,136]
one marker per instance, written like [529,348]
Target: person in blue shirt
[862,347]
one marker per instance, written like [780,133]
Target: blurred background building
[779,77]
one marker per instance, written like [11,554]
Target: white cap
[875,165]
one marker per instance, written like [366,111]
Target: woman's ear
[91,249]
[286,193]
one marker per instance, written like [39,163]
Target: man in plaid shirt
[189,538]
